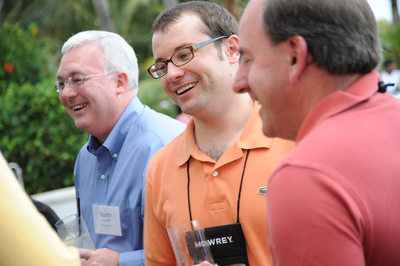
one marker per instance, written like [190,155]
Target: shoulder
[155,125]
[168,152]
[83,152]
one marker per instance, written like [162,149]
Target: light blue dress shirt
[114,174]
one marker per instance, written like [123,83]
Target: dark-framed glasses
[76,80]
[181,57]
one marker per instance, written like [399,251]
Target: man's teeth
[79,106]
[183,89]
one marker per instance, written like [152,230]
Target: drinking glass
[73,232]
[189,243]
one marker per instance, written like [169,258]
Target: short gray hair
[118,54]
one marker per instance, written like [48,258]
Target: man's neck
[320,84]
[216,134]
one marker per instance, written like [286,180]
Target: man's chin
[81,125]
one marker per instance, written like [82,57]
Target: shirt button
[215,173]
[115,155]
[103,176]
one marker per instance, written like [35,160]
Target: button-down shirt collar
[118,134]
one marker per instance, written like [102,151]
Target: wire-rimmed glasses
[181,57]
[76,80]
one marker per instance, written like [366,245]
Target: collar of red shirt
[365,87]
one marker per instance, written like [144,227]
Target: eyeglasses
[181,57]
[76,80]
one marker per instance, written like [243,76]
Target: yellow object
[25,236]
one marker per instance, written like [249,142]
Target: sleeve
[26,237]
[131,258]
[158,250]
[313,220]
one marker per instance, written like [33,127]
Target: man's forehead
[251,20]
[88,55]
[183,32]
[253,11]
[187,24]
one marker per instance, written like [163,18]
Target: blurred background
[35,130]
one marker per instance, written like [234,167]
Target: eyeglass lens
[74,81]
[179,58]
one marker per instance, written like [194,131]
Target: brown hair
[218,20]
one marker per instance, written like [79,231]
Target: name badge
[227,244]
[107,220]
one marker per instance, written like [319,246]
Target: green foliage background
[35,130]
[17,47]
[37,133]
[390,40]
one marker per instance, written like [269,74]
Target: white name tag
[106,220]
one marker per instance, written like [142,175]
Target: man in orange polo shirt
[217,170]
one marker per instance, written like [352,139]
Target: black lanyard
[240,188]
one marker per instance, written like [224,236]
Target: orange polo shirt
[214,188]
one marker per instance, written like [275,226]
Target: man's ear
[297,48]
[232,49]
[122,82]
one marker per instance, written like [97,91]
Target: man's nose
[174,72]
[240,83]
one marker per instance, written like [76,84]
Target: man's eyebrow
[70,74]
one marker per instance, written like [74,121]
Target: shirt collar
[119,132]
[251,138]
[361,90]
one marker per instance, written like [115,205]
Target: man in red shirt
[334,199]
